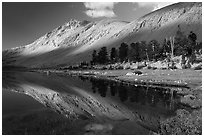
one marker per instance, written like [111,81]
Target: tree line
[177,45]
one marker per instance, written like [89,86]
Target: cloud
[99,9]
[154,5]
[100,13]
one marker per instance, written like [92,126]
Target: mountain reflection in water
[121,107]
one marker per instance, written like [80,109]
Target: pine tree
[153,49]
[113,55]
[166,46]
[143,50]
[94,57]
[123,52]
[133,54]
[103,56]
[191,43]
[181,43]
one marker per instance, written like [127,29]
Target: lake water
[35,103]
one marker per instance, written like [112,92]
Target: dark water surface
[35,103]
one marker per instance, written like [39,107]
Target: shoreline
[165,78]
[188,83]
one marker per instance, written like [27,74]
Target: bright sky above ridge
[23,23]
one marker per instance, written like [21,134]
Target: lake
[35,103]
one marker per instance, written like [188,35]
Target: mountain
[75,41]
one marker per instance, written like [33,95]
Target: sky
[23,23]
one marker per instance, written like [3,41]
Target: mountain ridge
[74,41]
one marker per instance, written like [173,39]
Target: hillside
[74,41]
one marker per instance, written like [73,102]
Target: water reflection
[165,98]
[99,100]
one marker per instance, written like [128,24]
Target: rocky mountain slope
[74,41]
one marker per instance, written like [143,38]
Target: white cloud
[155,5]
[100,13]
[99,9]
[99,5]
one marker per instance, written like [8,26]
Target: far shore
[186,78]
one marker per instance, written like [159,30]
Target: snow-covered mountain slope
[164,23]
[74,41]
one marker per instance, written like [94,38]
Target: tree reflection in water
[113,88]
[122,90]
[143,95]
